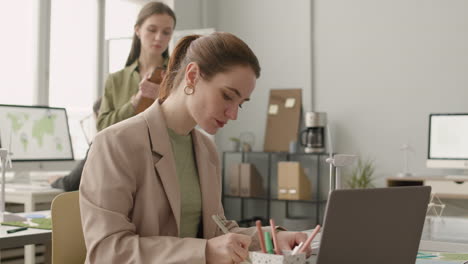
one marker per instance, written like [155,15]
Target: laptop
[369,226]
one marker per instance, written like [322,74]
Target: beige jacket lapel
[165,165]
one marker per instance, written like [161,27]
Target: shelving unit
[266,164]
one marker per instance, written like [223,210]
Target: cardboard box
[251,183]
[292,181]
[234,180]
[283,117]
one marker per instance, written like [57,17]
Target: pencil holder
[287,258]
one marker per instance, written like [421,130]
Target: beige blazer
[130,196]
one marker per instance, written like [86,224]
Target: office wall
[189,13]
[280,34]
[381,67]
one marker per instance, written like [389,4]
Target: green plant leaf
[362,175]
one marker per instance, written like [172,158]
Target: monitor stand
[404,174]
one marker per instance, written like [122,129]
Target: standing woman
[125,89]
[152,182]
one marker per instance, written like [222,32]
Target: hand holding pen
[228,248]
[283,240]
[306,246]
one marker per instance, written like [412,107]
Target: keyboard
[44,175]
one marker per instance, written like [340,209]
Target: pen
[260,235]
[17,230]
[309,240]
[296,249]
[273,235]
[220,224]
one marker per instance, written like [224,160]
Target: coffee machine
[312,138]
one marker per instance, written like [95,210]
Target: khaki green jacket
[120,87]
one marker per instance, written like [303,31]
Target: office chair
[67,235]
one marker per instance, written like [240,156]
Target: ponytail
[215,53]
[171,78]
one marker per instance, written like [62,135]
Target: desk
[443,187]
[29,195]
[28,238]
[425,245]
[442,246]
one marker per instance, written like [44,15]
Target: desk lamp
[336,162]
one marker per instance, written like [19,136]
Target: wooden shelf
[266,162]
[442,187]
[274,199]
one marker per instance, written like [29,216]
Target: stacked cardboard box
[292,181]
[244,180]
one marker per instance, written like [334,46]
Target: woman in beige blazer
[134,195]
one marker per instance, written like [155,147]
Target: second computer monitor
[35,133]
[448,141]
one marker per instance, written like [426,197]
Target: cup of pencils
[271,254]
[286,258]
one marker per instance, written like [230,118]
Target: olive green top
[116,102]
[116,105]
[190,194]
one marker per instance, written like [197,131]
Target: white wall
[189,14]
[382,66]
[378,68]
[280,35]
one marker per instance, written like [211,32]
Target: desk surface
[30,188]
[22,238]
[26,237]
[425,245]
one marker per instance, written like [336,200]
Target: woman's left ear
[192,73]
[136,29]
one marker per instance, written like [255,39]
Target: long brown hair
[215,53]
[148,10]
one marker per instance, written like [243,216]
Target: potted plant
[362,175]
[235,143]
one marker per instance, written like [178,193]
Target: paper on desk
[40,223]
[438,261]
[441,257]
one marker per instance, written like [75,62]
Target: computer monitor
[35,133]
[448,141]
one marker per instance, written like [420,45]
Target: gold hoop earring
[189,89]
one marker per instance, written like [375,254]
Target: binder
[293,184]
[234,180]
[250,181]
